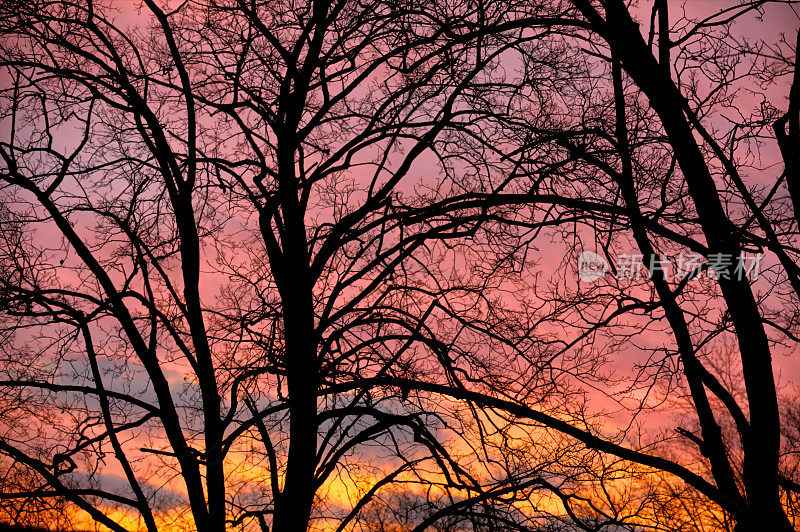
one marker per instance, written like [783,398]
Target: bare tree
[272,149]
[653,144]
[330,220]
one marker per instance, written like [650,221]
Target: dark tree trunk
[789,141]
[293,276]
[762,448]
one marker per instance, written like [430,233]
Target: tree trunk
[293,276]
[762,448]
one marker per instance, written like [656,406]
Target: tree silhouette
[271,148]
[293,264]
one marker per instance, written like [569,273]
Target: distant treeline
[6,526]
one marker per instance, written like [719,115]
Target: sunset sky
[315,265]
